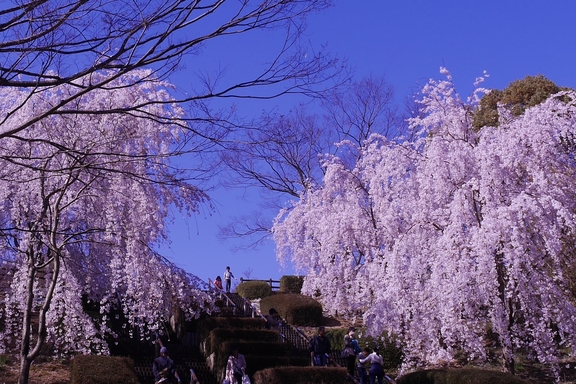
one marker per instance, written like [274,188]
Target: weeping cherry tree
[455,236]
[84,201]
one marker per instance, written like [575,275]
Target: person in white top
[236,367]
[228,276]
[376,366]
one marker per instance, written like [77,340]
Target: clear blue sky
[407,41]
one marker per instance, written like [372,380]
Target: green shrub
[458,376]
[516,97]
[221,335]
[205,326]
[291,284]
[258,363]
[391,354]
[254,289]
[296,309]
[336,337]
[249,349]
[94,369]
[301,375]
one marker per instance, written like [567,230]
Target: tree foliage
[440,239]
[516,97]
[87,133]
[85,198]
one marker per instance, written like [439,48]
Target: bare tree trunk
[27,356]
[27,322]
[507,349]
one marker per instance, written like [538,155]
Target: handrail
[254,309]
[287,332]
[229,301]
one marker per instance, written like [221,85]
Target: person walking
[376,366]
[349,352]
[236,366]
[319,347]
[228,276]
[164,369]
[273,320]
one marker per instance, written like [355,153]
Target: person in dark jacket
[319,347]
[164,369]
[349,352]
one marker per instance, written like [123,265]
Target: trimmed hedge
[254,289]
[291,284]
[220,335]
[250,349]
[459,376]
[296,309]
[205,326]
[301,375]
[258,363]
[96,369]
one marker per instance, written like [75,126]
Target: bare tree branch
[54,42]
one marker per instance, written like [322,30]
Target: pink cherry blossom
[440,239]
[84,198]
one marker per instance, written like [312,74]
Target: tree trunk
[27,356]
[507,305]
[27,322]
[24,371]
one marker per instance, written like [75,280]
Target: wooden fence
[274,284]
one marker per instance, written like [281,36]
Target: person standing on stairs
[218,283]
[320,348]
[228,276]
[363,367]
[349,352]
[376,366]
[273,320]
[236,366]
[164,368]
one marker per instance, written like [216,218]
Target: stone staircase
[186,353]
[185,357]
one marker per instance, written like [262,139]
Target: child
[218,283]
[362,372]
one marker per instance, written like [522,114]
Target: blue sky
[405,40]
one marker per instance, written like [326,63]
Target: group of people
[165,371]
[369,362]
[228,276]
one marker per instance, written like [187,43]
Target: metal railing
[287,332]
[221,294]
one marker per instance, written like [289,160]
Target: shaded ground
[58,372]
[48,372]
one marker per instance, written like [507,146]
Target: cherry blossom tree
[53,42]
[458,234]
[85,198]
